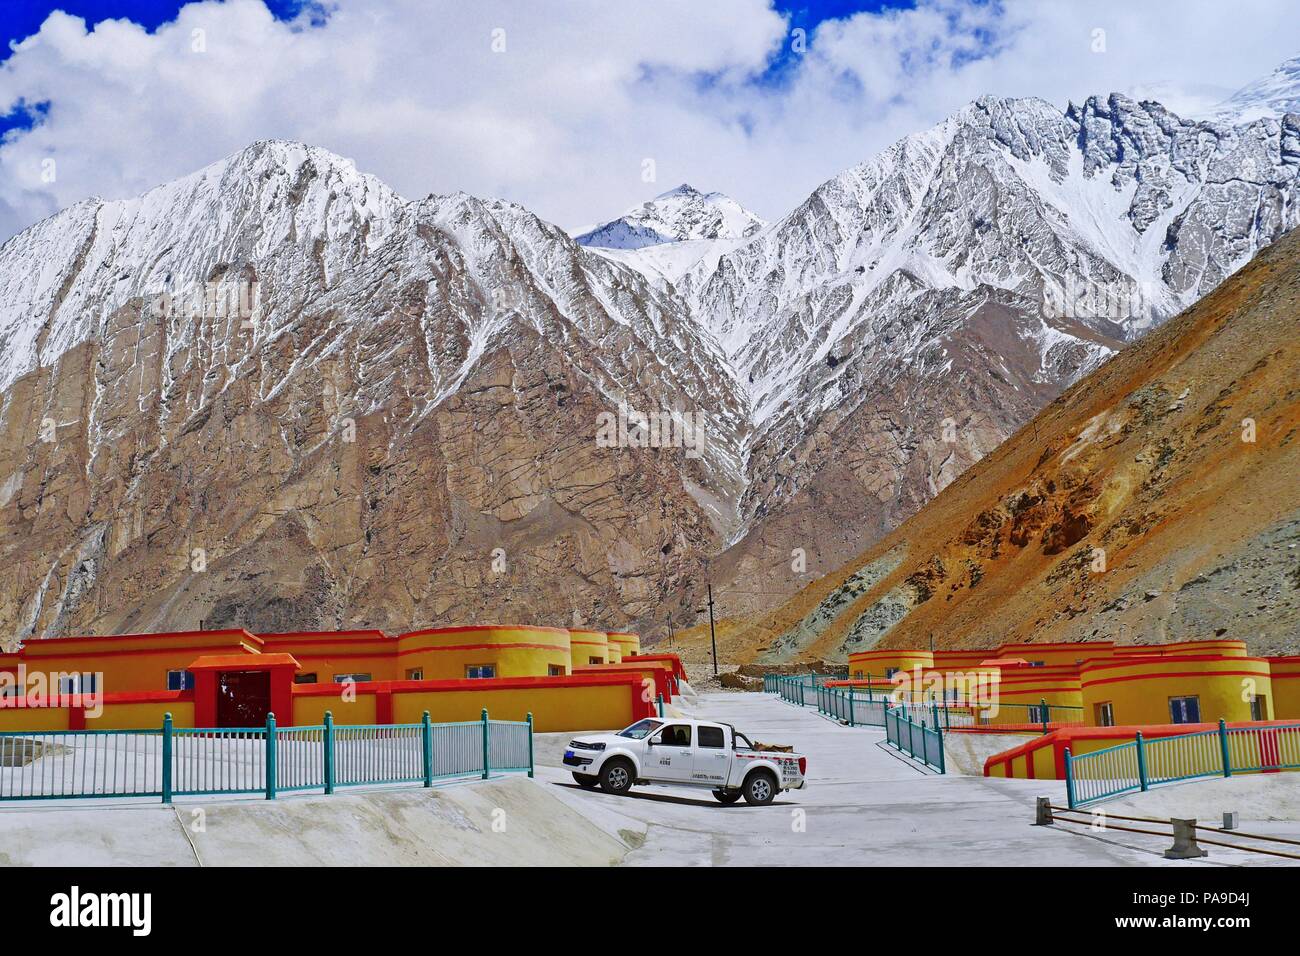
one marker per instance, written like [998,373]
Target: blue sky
[19,19]
[22,18]
[580,98]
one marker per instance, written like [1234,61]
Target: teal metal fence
[852,706]
[797,688]
[1144,763]
[81,763]
[914,732]
[174,761]
[1042,717]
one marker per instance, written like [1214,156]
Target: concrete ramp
[510,821]
[966,752]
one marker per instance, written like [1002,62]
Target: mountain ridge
[1152,501]
[850,361]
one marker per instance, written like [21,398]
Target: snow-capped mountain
[419,385]
[679,215]
[1272,96]
[1014,238]
[413,388]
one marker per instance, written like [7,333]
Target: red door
[243,698]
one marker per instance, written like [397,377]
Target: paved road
[864,805]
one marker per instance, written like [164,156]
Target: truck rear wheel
[616,777]
[760,788]
[727,797]
[587,781]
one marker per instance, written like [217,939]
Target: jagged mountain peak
[681,214]
[819,350]
[1269,97]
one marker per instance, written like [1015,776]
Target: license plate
[568,754]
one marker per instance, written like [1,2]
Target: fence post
[529,718]
[1223,747]
[485,744]
[934,708]
[1042,701]
[659,703]
[167,758]
[1069,780]
[1142,762]
[869,697]
[426,739]
[850,705]
[270,756]
[328,740]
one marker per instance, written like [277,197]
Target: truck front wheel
[760,788]
[616,777]
[727,797]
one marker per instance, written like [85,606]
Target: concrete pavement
[865,805]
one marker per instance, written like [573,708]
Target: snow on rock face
[470,349]
[302,214]
[1015,195]
[1270,97]
[678,215]
[850,360]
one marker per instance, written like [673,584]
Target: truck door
[671,757]
[712,756]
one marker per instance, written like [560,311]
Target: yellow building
[588,647]
[885,663]
[629,645]
[484,650]
[1176,689]
[1285,672]
[1048,654]
[1227,648]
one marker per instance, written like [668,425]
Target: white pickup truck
[682,752]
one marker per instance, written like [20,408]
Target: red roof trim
[485,627]
[481,684]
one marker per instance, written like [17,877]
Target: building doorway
[1259,707]
[243,698]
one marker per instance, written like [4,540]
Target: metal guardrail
[81,763]
[911,729]
[912,737]
[1145,763]
[848,706]
[796,688]
[174,761]
[1042,717]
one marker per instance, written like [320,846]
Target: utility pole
[713,638]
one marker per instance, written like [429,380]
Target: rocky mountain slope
[914,310]
[1155,500]
[275,393]
[403,430]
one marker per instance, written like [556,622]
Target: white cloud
[562,120]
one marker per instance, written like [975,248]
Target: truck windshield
[641,729]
